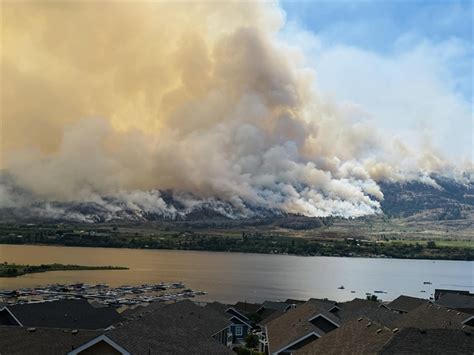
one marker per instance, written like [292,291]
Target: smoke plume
[125,100]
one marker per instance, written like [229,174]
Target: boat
[379,291]
[426,283]
[353,292]
[341,287]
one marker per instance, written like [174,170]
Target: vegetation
[250,240]
[12,270]
[372,298]
[241,350]
[251,341]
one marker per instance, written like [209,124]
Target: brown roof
[381,315]
[430,341]
[294,324]
[41,341]
[406,303]
[358,303]
[173,329]
[358,336]
[430,316]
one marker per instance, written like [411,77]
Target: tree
[251,341]
[372,298]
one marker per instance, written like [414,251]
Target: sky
[407,63]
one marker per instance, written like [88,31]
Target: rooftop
[173,329]
[78,314]
[430,341]
[294,324]
[359,336]
[42,341]
[406,303]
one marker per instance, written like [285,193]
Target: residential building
[73,314]
[299,326]
[240,327]
[403,304]
[179,328]
[460,302]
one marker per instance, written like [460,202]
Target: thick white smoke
[124,101]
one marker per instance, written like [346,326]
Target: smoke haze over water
[126,100]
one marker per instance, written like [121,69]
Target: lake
[231,277]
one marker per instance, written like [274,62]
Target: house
[440,292]
[377,313]
[272,309]
[430,341]
[294,301]
[357,337]
[179,328]
[403,304]
[299,326]
[240,323]
[42,341]
[73,314]
[276,306]
[364,337]
[247,308]
[431,316]
[460,302]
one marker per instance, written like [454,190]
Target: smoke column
[130,99]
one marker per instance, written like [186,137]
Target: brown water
[230,277]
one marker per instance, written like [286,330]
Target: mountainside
[448,199]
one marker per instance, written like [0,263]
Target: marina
[231,277]
[101,293]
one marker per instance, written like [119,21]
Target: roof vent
[369,324]
[31,330]
[395,330]
[378,331]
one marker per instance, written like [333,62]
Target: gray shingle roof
[430,341]
[78,314]
[277,306]
[358,336]
[457,301]
[430,316]
[406,303]
[217,306]
[42,341]
[178,328]
[247,308]
[358,303]
[381,315]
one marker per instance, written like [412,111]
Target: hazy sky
[408,63]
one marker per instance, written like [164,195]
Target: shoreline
[9,270]
[236,252]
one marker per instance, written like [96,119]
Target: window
[239,330]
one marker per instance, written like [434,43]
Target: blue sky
[420,50]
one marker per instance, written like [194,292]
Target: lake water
[230,277]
